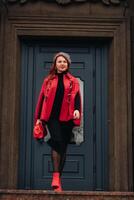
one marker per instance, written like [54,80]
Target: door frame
[119,87]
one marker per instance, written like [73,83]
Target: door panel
[86,164]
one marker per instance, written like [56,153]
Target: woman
[59,106]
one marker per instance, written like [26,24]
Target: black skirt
[60,132]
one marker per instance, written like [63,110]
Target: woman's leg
[63,158]
[58,160]
[56,157]
[56,181]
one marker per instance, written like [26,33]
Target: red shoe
[56,182]
[58,189]
[56,179]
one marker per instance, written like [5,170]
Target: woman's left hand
[76,114]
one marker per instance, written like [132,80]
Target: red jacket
[47,95]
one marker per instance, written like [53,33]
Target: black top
[59,98]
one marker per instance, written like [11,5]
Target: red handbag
[39,131]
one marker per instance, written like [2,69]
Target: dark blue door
[86,167]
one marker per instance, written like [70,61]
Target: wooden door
[86,166]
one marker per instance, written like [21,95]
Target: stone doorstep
[7,194]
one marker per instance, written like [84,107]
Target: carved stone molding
[65,2]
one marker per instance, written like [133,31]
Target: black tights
[58,158]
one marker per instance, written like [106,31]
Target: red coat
[47,96]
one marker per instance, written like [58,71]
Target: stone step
[65,195]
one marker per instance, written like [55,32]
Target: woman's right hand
[38,121]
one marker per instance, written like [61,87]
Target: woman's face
[61,64]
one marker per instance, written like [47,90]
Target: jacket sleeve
[77,101]
[38,107]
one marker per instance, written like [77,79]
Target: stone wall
[82,20]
